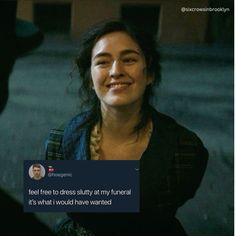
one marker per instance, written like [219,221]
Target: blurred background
[197,90]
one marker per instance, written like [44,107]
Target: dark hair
[147,44]
[36,166]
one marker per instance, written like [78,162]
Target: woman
[118,69]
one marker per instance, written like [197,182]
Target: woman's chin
[119,103]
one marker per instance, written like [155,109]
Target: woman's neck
[119,123]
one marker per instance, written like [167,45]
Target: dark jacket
[171,170]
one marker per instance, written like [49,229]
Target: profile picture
[36,171]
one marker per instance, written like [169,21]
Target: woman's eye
[129,60]
[102,63]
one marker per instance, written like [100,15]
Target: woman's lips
[118,85]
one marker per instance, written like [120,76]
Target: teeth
[117,85]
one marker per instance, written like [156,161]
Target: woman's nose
[117,69]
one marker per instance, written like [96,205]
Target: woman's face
[118,70]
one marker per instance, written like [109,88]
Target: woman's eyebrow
[123,53]
[102,54]
[128,51]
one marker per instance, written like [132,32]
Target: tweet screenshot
[84,186]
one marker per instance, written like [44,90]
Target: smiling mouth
[118,85]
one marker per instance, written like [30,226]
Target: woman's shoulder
[187,144]
[171,127]
[78,120]
[76,126]
[190,156]
[65,131]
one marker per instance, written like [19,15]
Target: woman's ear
[149,79]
